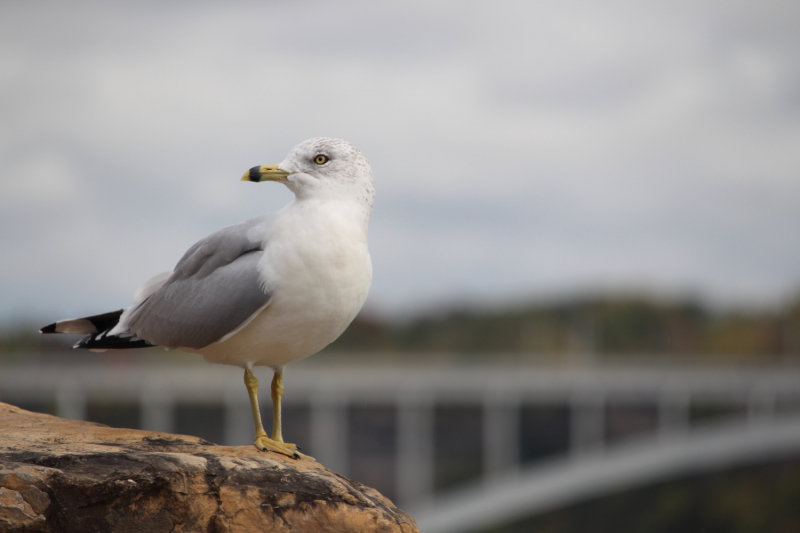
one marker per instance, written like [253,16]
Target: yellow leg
[277,393]
[251,382]
[263,442]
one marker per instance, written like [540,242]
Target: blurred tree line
[630,325]
[607,325]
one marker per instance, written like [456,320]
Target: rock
[65,475]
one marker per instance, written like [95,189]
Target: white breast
[316,266]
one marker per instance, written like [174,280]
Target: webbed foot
[265,443]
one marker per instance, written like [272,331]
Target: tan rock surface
[64,475]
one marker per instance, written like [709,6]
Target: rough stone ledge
[65,475]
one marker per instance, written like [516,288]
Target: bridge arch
[560,482]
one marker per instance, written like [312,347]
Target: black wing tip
[91,342]
[101,322]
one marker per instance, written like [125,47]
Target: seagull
[265,292]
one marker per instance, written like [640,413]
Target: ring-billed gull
[266,292]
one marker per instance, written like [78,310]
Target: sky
[521,150]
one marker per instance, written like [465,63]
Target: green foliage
[597,326]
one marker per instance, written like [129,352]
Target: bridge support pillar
[330,427]
[761,405]
[71,400]
[415,448]
[500,434]
[587,423]
[157,408]
[673,412]
[238,428]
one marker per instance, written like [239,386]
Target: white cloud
[43,179]
[517,147]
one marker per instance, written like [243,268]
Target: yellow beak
[265,173]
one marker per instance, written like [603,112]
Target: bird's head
[321,168]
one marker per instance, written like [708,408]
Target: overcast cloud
[520,149]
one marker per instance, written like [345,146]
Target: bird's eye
[321,159]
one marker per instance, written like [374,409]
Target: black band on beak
[255,174]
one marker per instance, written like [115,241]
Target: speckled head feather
[327,167]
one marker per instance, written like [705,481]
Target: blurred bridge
[642,462]
[460,448]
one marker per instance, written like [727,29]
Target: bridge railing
[664,400]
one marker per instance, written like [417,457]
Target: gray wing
[214,289]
